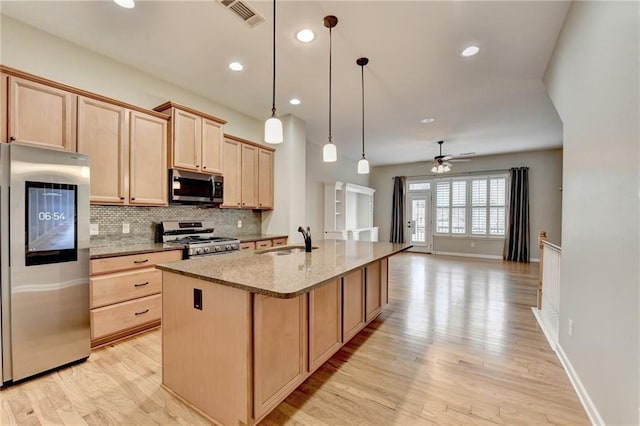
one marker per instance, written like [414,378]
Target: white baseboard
[534,260]
[481,256]
[587,403]
[546,332]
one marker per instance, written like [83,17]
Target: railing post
[541,239]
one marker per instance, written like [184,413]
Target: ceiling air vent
[243,11]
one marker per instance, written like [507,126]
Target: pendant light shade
[329,152]
[273,126]
[363,164]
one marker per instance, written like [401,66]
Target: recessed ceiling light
[427,120]
[305,36]
[294,101]
[127,4]
[236,66]
[470,51]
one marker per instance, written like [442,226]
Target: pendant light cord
[362,75]
[330,44]
[273,105]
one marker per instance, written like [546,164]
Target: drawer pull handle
[142,312]
[140,261]
[141,284]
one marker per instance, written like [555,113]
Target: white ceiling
[492,103]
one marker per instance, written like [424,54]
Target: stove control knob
[199,250]
[219,248]
[207,249]
[228,247]
[235,246]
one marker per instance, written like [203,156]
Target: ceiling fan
[442,163]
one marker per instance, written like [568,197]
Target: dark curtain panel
[516,243]
[397,211]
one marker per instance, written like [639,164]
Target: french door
[419,229]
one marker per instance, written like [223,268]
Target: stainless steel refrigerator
[44,259]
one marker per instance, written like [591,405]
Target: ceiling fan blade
[447,157]
[460,160]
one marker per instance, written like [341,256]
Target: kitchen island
[241,331]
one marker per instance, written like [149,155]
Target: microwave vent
[243,11]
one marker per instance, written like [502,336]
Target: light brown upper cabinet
[248,174]
[128,153]
[231,163]
[3,110]
[249,169]
[148,159]
[41,115]
[195,139]
[265,179]
[103,135]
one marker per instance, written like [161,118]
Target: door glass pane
[418,210]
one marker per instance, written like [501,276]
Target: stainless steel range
[197,238]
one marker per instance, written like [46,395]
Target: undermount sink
[284,250]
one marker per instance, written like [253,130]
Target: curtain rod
[482,172]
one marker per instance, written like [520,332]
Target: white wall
[40,53]
[319,172]
[545,199]
[592,79]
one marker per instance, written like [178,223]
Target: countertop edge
[124,251]
[256,290]
[251,238]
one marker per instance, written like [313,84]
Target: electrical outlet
[570,331]
[94,229]
[473,244]
[239,224]
[126,228]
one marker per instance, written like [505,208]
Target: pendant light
[273,125]
[329,152]
[363,164]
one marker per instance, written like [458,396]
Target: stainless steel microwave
[194,188]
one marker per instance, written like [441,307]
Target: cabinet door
[325,323]
[102,134]
[384,281]
[265,179]
[249,176]
[187,140]
[353,304]
[148,160]
[231,154]
[280,349]
[41,115]
[4,115]
[373,304]
[212,137]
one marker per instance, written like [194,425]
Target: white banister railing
[549,287]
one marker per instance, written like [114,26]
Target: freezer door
[49,259]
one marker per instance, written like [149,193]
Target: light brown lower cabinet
[249,245]
[373,293]
[280,349]
[125,294]
[238,355]
[353,304]
[325,323]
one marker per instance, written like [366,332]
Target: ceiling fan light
[363,166]
[329,153]
[127,4]
[434,169]
[446,168]
[273,131]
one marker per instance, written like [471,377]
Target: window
[479,202]
[419,186]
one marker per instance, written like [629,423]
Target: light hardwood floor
[457,344]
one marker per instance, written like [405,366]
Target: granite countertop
[285,276]
[127,249]
[259,237]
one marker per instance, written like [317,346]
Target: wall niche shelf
[348,212]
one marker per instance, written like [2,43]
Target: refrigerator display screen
[51,224]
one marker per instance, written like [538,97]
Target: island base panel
[206,354]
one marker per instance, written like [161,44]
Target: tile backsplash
[144,221]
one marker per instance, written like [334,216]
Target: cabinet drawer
[121,286]
[263,244]
[134,261]
[279,242]
[248,246]
[119,317]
